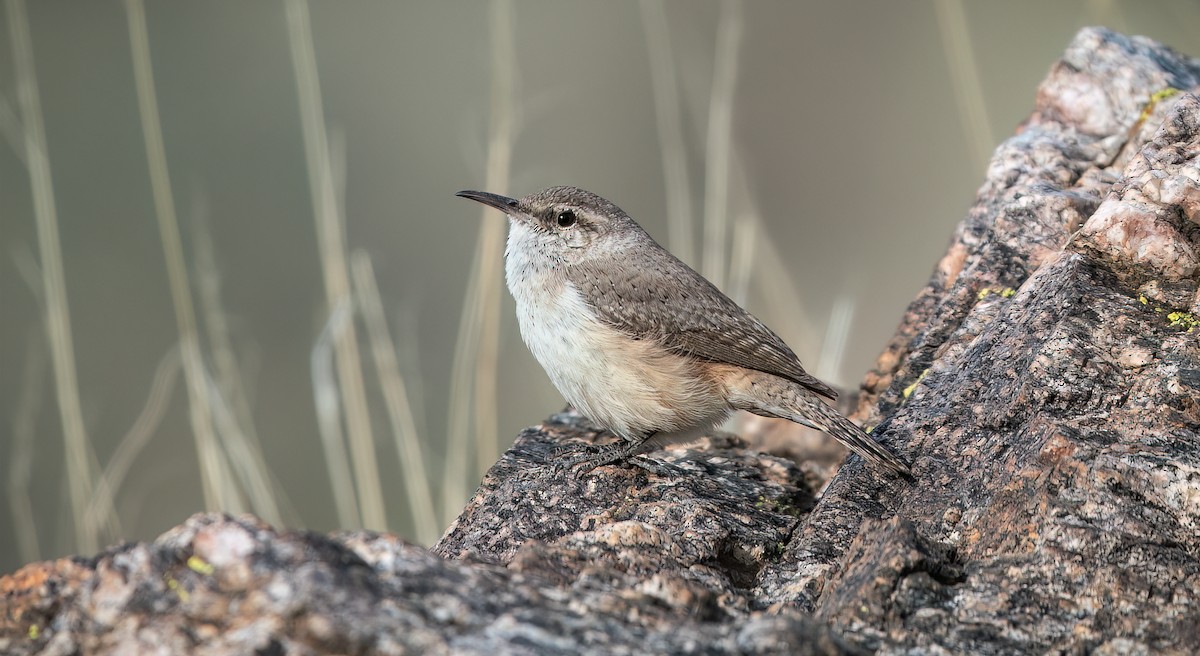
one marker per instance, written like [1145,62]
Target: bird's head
[564,223]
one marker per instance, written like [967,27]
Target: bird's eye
[566,219]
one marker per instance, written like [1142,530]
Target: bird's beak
[503,203]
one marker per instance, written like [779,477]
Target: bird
[641,343]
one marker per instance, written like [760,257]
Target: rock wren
[639,342]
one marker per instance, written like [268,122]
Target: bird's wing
[659,297]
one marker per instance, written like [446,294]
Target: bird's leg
[604,455]
[632,452]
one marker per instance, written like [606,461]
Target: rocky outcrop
[220,585]
[1045,385]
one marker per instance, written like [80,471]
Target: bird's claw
[582,464]
[605,455]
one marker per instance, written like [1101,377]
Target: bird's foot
[603,455]
[620,452]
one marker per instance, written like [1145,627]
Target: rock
[224,585]
[1045,385]
[1047,388]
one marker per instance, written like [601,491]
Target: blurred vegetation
[235,276]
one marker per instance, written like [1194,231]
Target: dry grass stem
[669,116]
[138,436]
[20,464]
[741,260]
[80,473]
[746,228]
[720,140]
[477,349]
[756,265]
[837,337]
[968,94]
[455,472]
[14,134]
[408,353]
[329,421]
[101,511]
[231,406]
[332,247]
[219,491]
[499,160]
[216,323]
[774,281]
[339,170]
[395,396]
[245,459]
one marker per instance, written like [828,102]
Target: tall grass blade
[246,460]
[395,396]
[720,139]
[479,328]
[503,95]
[80,473]
[741,260]
[332,247]
[10,128]
[746,229]
[230,403]
[964,76]
[837,336]
[329,420]
[220,493]
[138,436]
[669,117]
[20,464]
[787,310]
[456,464]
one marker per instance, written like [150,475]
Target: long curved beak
[503,203]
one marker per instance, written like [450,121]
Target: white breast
[632,387]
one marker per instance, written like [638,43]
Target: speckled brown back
[651,294]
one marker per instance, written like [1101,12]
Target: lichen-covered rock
[224,585]
[1045,385]
[694,538]
[1149,226]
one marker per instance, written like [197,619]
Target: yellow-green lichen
[1163,94]
[199,565]
[912,388]
[1004,292]
[1155,98]
[1183,320]
[34,631]
[178,589]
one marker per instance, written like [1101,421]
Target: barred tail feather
[772,396]
[854,438]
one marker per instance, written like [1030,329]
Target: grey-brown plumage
[640,342]
[656,296]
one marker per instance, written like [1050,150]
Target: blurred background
[234,274]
